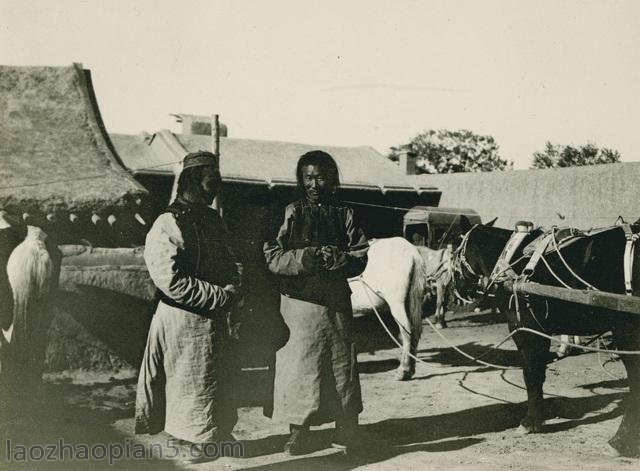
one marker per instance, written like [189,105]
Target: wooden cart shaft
[601,299]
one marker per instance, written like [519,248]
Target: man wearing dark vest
[186,379]
[318,247]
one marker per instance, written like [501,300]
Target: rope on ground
[470,357]
[575,345]
[607,372]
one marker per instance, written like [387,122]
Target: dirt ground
[452,415]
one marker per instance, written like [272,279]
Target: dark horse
[579,260]
[476,257]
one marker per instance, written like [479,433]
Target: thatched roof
[584,197]
[54,152]
[262,162]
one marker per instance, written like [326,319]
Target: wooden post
[215,148]
[215,134]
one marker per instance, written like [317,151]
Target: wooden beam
[601,299]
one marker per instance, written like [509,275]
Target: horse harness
[629,250]
[459,256]
[631,239]
[459,264]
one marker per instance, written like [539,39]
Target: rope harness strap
[503,265]
[537,255]
[629,250]
[459,255]
[458,260]
[369,289]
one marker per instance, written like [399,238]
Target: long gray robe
[185,385]
[316,377]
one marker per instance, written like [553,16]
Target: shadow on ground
[86,413]
[448,356]
[75,415]
[370,336]
[475,319]
[443,432]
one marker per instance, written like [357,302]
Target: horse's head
[483,247]
[476,256]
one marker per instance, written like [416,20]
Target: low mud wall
[102,310]
[104,306]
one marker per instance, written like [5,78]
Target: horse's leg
[533,350]
[407,364]
[626,441]
[440,301]
[564,348]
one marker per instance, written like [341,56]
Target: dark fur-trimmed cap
[200,158]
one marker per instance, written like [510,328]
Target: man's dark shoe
[226,437]
[347,440]
[201,453]
[299,442]
[230,446]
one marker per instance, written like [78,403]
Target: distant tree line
[446,151]
[554,156]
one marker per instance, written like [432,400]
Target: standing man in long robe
[186,379]
[317,248]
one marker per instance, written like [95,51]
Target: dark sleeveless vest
[206,254]
[314,225]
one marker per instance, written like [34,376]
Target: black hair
[324,161]
[189,178]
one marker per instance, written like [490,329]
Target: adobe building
[59,171]
[582,197]
[96,195]
[258,182]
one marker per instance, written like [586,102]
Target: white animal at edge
[33,270]
[397,273]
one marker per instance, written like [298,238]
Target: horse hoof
[526,427]
[439,325]
[402,375]
[612,452]
[522,430]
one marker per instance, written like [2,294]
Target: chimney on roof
[407,161]
[197,124]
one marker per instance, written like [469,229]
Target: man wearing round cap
[185,383]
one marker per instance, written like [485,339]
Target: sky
[351,72]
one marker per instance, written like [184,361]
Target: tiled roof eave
[161,172]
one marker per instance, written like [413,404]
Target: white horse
[32,272]
[394,279]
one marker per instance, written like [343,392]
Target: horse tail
[30,269]
[417,289]
[33,274]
